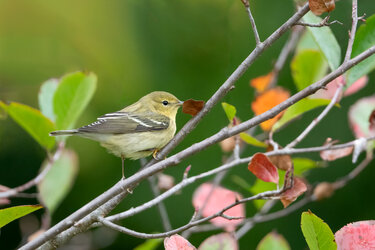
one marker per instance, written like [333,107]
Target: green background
[187,48]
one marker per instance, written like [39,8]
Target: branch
[33,182]
[224,167]
[352,31]
[323,23]
[318,119]
[253,26]
[189,126]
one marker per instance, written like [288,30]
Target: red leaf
[263,168]
[299,187]
[192,107]
[177,242]
[356,86]
[210,200]
[359,235]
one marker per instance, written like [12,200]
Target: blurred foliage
[187,48]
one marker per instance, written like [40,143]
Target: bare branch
[253,26]
[352,31]
[318,119]
[323,23]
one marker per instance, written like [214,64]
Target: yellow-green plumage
[137,130]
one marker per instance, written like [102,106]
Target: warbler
[136,131]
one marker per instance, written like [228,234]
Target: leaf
[283,162]
[308,66]
[45,97]
[359,114]
[261,83]
[324,190]
[333,154]
[229,110]
[222,241]
[306,42]
[149,244]
[298,109]
[10,214]
[273,241]
[252,140]
[192,107]
[33,121]
[360,234]
[356,86]
[259,187]
[319,7]
[213,199]
[263,168]
[364,39]
[59,180]
[268,100]
[71,97]
[290,195]
[301,165]
[325,40]
[177,242]
[317,233]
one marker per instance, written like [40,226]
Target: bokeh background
[136,46]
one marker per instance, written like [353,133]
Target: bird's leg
[122,165]
[154,154]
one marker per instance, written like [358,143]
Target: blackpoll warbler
[136,131]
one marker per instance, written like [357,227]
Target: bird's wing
[125,123]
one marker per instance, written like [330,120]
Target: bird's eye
[165,103]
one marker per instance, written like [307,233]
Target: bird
[136,131]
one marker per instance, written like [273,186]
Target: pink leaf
[299,187]
[356,86]
[331,88]
[177,242]
[219,241]
[359,235]
[359,116]
[210,200]
[333,154]
[263,168]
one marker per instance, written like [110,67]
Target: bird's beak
[179,103]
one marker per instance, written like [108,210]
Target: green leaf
[317,233]
[326,41]
[364,39]
[252,141]
[301,165]
[298,109]
[308,66]
[71,98]
[33,121]
[12,213]
[273,241]
[229,110]
[258,187]
[150,244]
[222,241]
[59,179]
[306,42]
[45,97]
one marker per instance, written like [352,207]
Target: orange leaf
[263,168]
[192,107]
[299,187]
[318,7]
[261,83]
[268,100]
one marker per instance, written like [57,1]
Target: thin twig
[323,23]
[315,122]
[253,26]
[352,31]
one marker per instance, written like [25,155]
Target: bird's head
[162,102]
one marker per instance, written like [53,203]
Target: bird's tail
[64,132]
